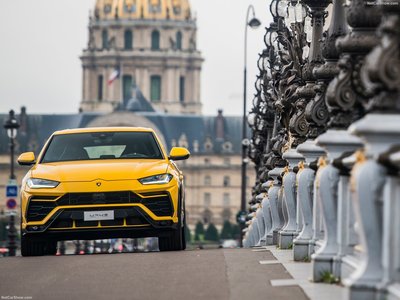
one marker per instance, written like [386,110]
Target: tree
[211,233]
[226,232]
[199,231]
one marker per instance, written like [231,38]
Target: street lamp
[11,125]
[253,23]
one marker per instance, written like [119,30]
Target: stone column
[336,143]
[305,183]
[369,180]
[288,232]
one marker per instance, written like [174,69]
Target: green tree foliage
[211,233]
[199,231]
[226,232]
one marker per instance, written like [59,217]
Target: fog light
[35,228]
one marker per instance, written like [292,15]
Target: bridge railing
[326,142]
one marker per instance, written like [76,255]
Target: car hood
[105,170]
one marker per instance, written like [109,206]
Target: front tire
[172,242]
[176,241]
[32,247]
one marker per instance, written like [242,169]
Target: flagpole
[122,83]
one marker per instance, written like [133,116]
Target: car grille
[73,218]
[159,203]
[98,198]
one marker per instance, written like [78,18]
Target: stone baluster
[305,184]
[347,237]
[337,143]
[289,231]
[261,225]
[391,254]
[299,213]
[253,229]
[255,232]
[317,227]
[380,132]
[268,237]
[273,196]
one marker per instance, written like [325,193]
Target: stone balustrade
[326,142]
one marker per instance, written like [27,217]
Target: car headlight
[37,183]
[156,179]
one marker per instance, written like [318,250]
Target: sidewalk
[302,274]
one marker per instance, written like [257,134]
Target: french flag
[114,75]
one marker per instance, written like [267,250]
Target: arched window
[104,36]
[155,40]
[179,40]
[155,88]
[227,181]
[128,40]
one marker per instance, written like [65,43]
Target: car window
[102,145]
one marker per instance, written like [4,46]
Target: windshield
[102,145]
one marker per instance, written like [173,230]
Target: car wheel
[51,247]
[184,231]
[176,241]
[171,243]
[183,237]
[30,247]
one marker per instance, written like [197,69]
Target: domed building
[144,44]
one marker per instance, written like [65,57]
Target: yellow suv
[96,183]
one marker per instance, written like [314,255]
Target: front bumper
[137,214]
[129,222]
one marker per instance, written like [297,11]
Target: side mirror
[27,159]
[179,153]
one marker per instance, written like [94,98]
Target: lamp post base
[12,234]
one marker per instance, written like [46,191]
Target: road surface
[199,274]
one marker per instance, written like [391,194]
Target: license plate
[98,215]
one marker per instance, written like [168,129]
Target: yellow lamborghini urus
[96,183]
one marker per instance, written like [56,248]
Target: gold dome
[143,9]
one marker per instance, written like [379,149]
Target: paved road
[199,274]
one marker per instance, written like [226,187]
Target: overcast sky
[41,40]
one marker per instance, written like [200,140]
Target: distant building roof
[200,134]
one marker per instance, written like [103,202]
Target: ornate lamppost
[252,23]
[11,125]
